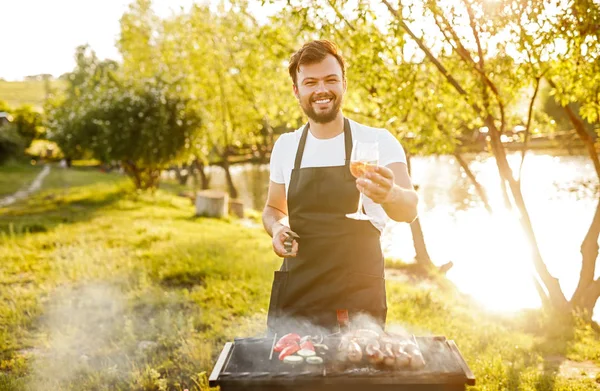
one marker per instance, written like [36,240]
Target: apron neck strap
[347,141]
[347,144]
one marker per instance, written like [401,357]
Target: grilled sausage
[389,358]
[354,352]
[374,354]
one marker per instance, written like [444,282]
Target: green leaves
[230,69]
[141,123]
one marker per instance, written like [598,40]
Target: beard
[322,117]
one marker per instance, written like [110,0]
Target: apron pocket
[366,292]
[277,291]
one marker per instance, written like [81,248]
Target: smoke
[110,335]
[304,326]
[439,359]
[298,325]
[80,323]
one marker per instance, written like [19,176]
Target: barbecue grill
[248,364]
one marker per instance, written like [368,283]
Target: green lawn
[14,176]
[103,288]
[32,92]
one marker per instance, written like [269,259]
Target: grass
[103,288]
[32,92]
[14,176]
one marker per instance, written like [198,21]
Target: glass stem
[360,203]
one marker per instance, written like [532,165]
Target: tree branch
[480,69]
[480,190]
[581,132]
[431,57]
[339,14]
[528,126]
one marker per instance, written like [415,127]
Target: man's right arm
[275,219]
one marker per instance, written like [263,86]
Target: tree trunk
[478,188]
[132,171]
[587,291]
[507,204]
[555,294]
[233,193]
[179,173]
[204,178]
[421,254]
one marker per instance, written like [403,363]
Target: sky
[43,34]
[40,36]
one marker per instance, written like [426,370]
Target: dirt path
[24,193]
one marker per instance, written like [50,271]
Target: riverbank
[104,288]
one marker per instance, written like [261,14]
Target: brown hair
[312,53]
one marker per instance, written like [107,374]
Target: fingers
[375,193]
[385,172]
[284,254]
[294,251]
[383,177]
[377,184]
[279,246]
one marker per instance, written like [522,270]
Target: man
[335,268]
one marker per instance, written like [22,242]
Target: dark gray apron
[338,271]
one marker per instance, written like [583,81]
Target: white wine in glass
[365,156]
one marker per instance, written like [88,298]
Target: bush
[11,144]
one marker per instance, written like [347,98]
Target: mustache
[322,96]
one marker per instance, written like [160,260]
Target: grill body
[247,364]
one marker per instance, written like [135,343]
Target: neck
[328,130]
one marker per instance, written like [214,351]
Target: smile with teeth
[323,101]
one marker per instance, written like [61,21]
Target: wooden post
[236,208]
[212,203]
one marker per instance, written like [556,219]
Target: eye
[310,83]
[331,81]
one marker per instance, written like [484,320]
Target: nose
[320,87]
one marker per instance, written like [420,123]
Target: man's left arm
[391,187]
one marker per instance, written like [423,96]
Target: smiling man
[334,269]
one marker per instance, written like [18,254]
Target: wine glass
[364,158]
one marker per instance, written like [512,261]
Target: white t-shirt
[331,152]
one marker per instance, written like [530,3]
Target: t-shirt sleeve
[276,164]
[390,149]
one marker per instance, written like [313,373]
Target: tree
[575,80]
[11,144]
[230,64]
[27,123]
[491,106]
[65,109]
[142,126]
[138,122]
[473,68]
[16,136]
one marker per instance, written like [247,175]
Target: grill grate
[248,364]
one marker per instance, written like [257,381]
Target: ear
[345,84]
[296,94]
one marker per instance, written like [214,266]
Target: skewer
[416,343]
[273,346]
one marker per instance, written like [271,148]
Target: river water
[491,258]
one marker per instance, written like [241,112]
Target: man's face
[320,89]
